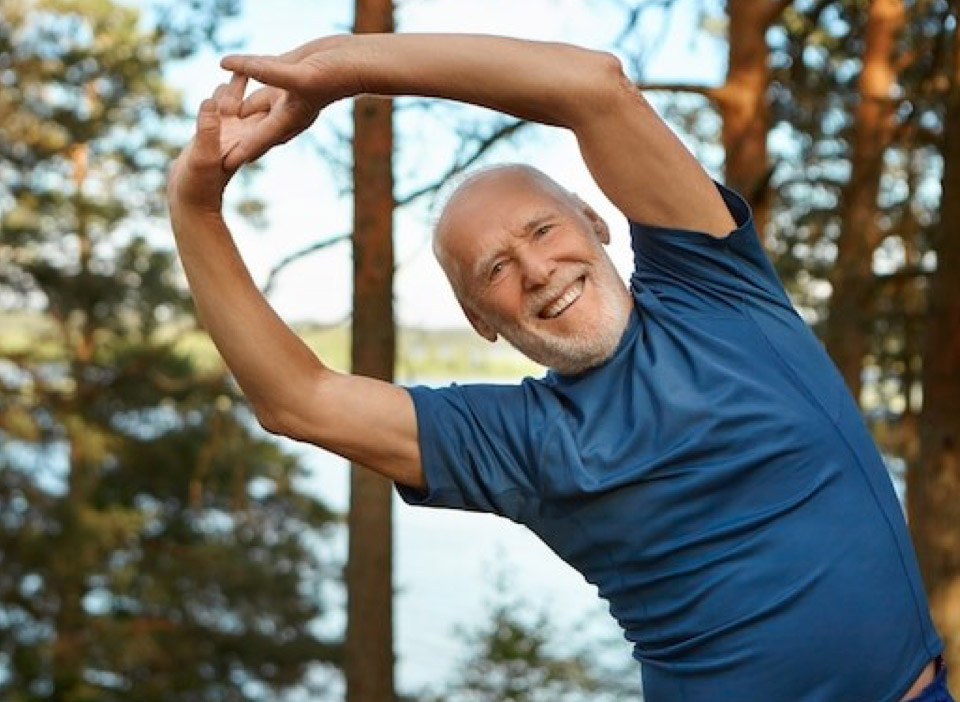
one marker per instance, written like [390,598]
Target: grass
[422,355]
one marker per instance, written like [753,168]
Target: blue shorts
[937,690]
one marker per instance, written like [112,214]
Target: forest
[154,541]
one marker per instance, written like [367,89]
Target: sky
[304,188]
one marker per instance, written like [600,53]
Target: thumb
[269,70]
[207,140]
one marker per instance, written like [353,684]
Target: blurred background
[157,544]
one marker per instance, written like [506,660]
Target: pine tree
[152,542]
[517,654]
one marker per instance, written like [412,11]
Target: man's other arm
[636,159]
[290,390]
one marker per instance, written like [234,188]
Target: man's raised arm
[635,158]
[289,389]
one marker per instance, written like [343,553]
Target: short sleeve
[696,273]
[693,274]
[477,448]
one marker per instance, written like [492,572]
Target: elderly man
[692,451]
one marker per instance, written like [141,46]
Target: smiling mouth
[560,305]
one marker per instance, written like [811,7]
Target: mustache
[541,298]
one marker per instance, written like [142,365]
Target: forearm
[268,360]
[551,83]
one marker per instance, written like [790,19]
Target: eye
[542,230]
[497,268]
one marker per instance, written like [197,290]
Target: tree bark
[369,655]
[848,330]
[743,103]
[933,486]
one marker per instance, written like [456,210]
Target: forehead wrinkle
[523,231]
[536,219]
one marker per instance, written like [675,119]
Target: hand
[200,174]
[298,85]
[279,116]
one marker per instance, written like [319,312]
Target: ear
[480,326]
[597,223]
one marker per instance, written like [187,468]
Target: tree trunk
[68,580]
[743,103]
[369,656]
[933,485]
[848,329]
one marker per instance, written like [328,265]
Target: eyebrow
[531,225]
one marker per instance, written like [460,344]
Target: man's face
[527,262]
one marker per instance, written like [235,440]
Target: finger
[236,153]
[259,101]
[220,99]
[269,70]
[206,147]
[237,86]
[265,134]
[230,96]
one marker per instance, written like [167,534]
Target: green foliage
[817,57]
[152,542]
[518,655]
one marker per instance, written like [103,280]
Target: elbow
[605,88]
[283,424]
[610,74]
[275,417]
[271,422]
[296,413]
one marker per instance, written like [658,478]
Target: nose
[537,270]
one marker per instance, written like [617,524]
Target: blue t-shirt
[713,479]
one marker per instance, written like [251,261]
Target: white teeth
[564,301]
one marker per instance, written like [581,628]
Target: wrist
[195,214]
[339,60]
[190,197]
